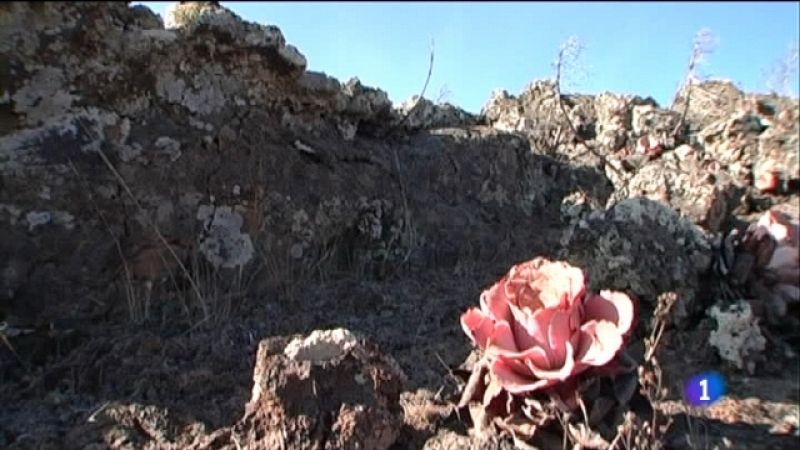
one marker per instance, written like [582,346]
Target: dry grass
[138,307]
[634,433]
[210,293]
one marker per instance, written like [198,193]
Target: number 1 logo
[704,389]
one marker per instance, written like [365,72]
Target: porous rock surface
[642,247]
[121,138]
[698,160]
[328,390]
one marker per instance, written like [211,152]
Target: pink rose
[775,242]
[538,326]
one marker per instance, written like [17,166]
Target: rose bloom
[775,242]
[768,181]
[538,326]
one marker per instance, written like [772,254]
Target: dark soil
[116,384]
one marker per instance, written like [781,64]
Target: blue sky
[633,48]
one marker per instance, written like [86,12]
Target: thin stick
[701,45]
[591,149]
[130,294]
[688,84]
[3,327]
[419,97]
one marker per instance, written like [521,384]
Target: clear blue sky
[634,48]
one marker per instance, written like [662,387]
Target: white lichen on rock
[573,206]
[181,15]
[28,150]
[205,97]
[44,96]
[169,147]
[187,17]
[737,338]
[224,245]
[321,346]
[686,233]
[36,218]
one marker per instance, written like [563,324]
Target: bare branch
[444,94]
[419,97]
[702,45]
[780,74]
[567,54]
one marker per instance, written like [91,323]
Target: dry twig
[572,48]
[419,97]
[702,45]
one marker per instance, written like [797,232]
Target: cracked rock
[328,390]
[643,247]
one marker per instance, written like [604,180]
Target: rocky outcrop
[132,154]
[708,102]
[699,160]
[328,390]
[642,247]
[420,113]
[696,188]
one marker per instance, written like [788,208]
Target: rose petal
[777,228]
[559,284]
[517,364]
[514,383]
[615,307]
[540,328]
[527,297]
[558,334]
[536,357]
[600,341]
[521,362]
[575,318]
[527,270]
[478,326]
[518,288]
[528,331]
[522,336]
[561,372]
[494,301]
[501,339]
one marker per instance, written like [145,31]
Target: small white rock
[321,345]
[737,338]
